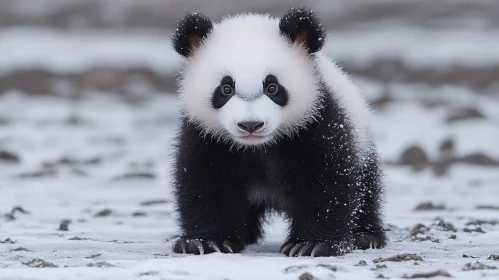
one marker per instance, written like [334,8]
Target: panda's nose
[250,126]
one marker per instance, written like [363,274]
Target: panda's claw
[295,249]
[206,246]
[214,246]
[317,248]
[226,245]
[285,248]
[314,251]
[184,249]
[366,241]
[200,246]
[305,249]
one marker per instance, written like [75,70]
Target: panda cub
[269,123]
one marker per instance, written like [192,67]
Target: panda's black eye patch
[275,91]
[223,92]
[227,80]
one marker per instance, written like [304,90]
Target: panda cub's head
[250,79]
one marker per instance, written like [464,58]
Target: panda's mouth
[252,139]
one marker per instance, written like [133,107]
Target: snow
[73,52]
[129,138]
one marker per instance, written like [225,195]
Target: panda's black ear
[302,26]
[192,29]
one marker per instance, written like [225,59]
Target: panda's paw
[366,241]
[207,246]
[325,248]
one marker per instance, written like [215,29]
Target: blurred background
[111,45]
[88,110]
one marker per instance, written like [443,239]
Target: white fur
[349,96]
[248,48]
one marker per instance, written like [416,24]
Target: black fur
[314,178]
[219,99]
[281,96]
[303,21]
[191,26]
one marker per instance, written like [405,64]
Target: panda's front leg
[212,208]
[211,221]
[321,216]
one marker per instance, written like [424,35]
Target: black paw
[205,246]
[366,241]
[326,248]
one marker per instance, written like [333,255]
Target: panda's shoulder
[344,91]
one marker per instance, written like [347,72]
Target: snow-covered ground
[103,165]
[85,186]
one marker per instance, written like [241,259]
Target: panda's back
[348,95]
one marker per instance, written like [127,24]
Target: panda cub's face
[249,79]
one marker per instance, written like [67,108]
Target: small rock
[493,257]
[306,276]
[441,167]
[330,267]
[487,207]
[63,226]
[425,206]
[362,263]
[6,157]
[43,173]
[445,226]
[479,222]
[426,238]
[462,114]
[428,275]
[8,241]
[100,264]
[148,273]
[39,263]
[380,266]
[139,214]
[399,258]
[154,202]
[418,229]
[20,249]
[103,213]
[479,159]
[447,147]
[78,238]
[137,175]
[382,101]
[93,256]
[477,229]
[19,209]
[477,266]
[415,157]
[11,216]
[71,161]
[4,121]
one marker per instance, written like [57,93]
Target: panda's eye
[227,90]
[272,89]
